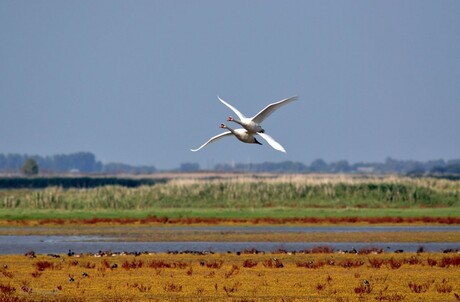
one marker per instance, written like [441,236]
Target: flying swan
[241,134]
[251,126]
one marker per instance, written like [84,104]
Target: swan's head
[230,119]
[223,126]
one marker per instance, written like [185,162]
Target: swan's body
[241,134]
[253,124]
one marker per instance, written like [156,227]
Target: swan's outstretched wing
[240,115]
[272,142]
[264,113]
[213,139]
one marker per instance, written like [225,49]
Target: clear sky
[137,81]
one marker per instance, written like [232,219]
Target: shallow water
[93,243]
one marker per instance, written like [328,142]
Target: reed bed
[293,191]
[249,276]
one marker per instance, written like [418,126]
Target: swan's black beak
[257,142]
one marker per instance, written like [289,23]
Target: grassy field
[244,197]
[226,214]
[231,277]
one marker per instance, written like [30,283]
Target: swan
[253,124]
[241,134]
[244,136]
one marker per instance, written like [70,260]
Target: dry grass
[232,277]
[299,180]
[254,191]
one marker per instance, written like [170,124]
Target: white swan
[244,136]
[241,134]
[253,124]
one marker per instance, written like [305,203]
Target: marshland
[181,208]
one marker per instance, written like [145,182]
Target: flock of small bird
[251,126]
[372,250]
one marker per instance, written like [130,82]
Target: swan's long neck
[228,128]
[237,121]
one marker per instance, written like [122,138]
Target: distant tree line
[80,162]
[389,166]
[85,162]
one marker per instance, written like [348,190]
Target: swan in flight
[244,136]
[241,134]
[253,124]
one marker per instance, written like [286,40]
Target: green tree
[30,167]
[319,165]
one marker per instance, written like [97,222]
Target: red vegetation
[444,287]
[432,262]
[376,262]
[311,264]
[42,265]
[419,288]
[215,264]
[362,289]
[394,264]
[171,287]
[450,261]
[249,263]
[267,220]
[133,264]
[273,263]
[7,289]
[348,263]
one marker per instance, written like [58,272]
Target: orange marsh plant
[232,277]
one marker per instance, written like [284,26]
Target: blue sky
[137,81]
